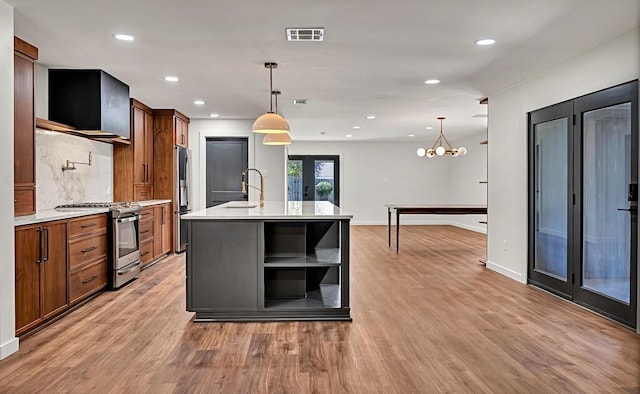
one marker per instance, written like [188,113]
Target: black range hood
[93,102]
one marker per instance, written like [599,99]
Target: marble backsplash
[85,184]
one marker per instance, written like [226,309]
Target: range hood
[93,102]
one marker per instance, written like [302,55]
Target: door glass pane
[606,263]
[294,180]
[551,139]
[324,180]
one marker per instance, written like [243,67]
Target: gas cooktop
[96,205]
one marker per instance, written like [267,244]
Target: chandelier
[442,147]
[270,123]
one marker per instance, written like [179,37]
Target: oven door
[127,240]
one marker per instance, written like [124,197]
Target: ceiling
[374,59]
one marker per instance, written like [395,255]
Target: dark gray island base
[265,267]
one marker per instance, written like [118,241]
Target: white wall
[268,159]
[465,174]
[8,341]
[376,173]
[608,65]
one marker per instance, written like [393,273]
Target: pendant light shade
[271,123]
[276,139]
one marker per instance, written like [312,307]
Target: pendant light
[439,149]
[270,123]
[276,138]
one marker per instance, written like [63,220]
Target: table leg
[397,230]
[389,224]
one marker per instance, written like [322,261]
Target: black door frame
[308,161]
[573,289]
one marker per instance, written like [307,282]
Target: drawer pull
[144,254]
[94,277]
[87,250]
[144,232]
[89,225]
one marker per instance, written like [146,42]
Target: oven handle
[129,219]
[134,266]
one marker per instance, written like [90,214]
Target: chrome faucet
[261,188]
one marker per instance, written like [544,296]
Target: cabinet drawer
[87,225]
[88,280]
[146,214]
[25,201]
[146,230]
[142,192]
[146,251]
[88,248]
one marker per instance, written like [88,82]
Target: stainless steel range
[124,239]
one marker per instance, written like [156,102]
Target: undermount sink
[241,204]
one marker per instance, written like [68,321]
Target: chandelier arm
[435,144]
[445,140]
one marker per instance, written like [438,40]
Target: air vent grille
[305,34]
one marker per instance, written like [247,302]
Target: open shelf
[302,287]
[302,243]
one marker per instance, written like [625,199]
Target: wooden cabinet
[41,273]
[25,56]
[133,164]
[162,231]
[182,132]
[87,256]
[147,222]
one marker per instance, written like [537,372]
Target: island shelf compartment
[302,287]
[292,243]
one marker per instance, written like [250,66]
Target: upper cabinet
[25,56]
[170,128]
[133,164]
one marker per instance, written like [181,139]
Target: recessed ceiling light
[412,135]
[371,117]
[348,136]
[322,133]
[171,79]
[123,37]
[213,115]
[432,81]
[486,41]
[198,102]
[300,101]
[429,128]
[356,127]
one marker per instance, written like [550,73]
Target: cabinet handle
[46,237]
[144,254]
[39,260]
[88,225]
[87,250]
[15,201]
[144,232]
[164,214]
[94,277]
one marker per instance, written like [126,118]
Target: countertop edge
[149,203]
[51,215]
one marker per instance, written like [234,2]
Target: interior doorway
[583,200]
[226,158]
[314,178]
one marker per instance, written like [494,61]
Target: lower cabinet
[147,235]
[57,264]
[155,233]
[41,273]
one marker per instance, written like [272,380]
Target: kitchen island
[284,261]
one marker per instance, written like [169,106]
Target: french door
[314,178]
[583,198]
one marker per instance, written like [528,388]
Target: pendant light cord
[271,88]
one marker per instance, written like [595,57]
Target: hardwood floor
[430,319]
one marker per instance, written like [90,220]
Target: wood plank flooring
[430,319]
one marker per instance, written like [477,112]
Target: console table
[418,209]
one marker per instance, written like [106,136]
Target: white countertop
[271,210]
[49,215]
[148,203]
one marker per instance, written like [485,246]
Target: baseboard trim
[465,226]
[518,277]
[402,222]
[9,348]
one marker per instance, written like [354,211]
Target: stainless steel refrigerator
[182,196]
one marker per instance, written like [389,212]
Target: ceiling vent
[305,34]
[299,101]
